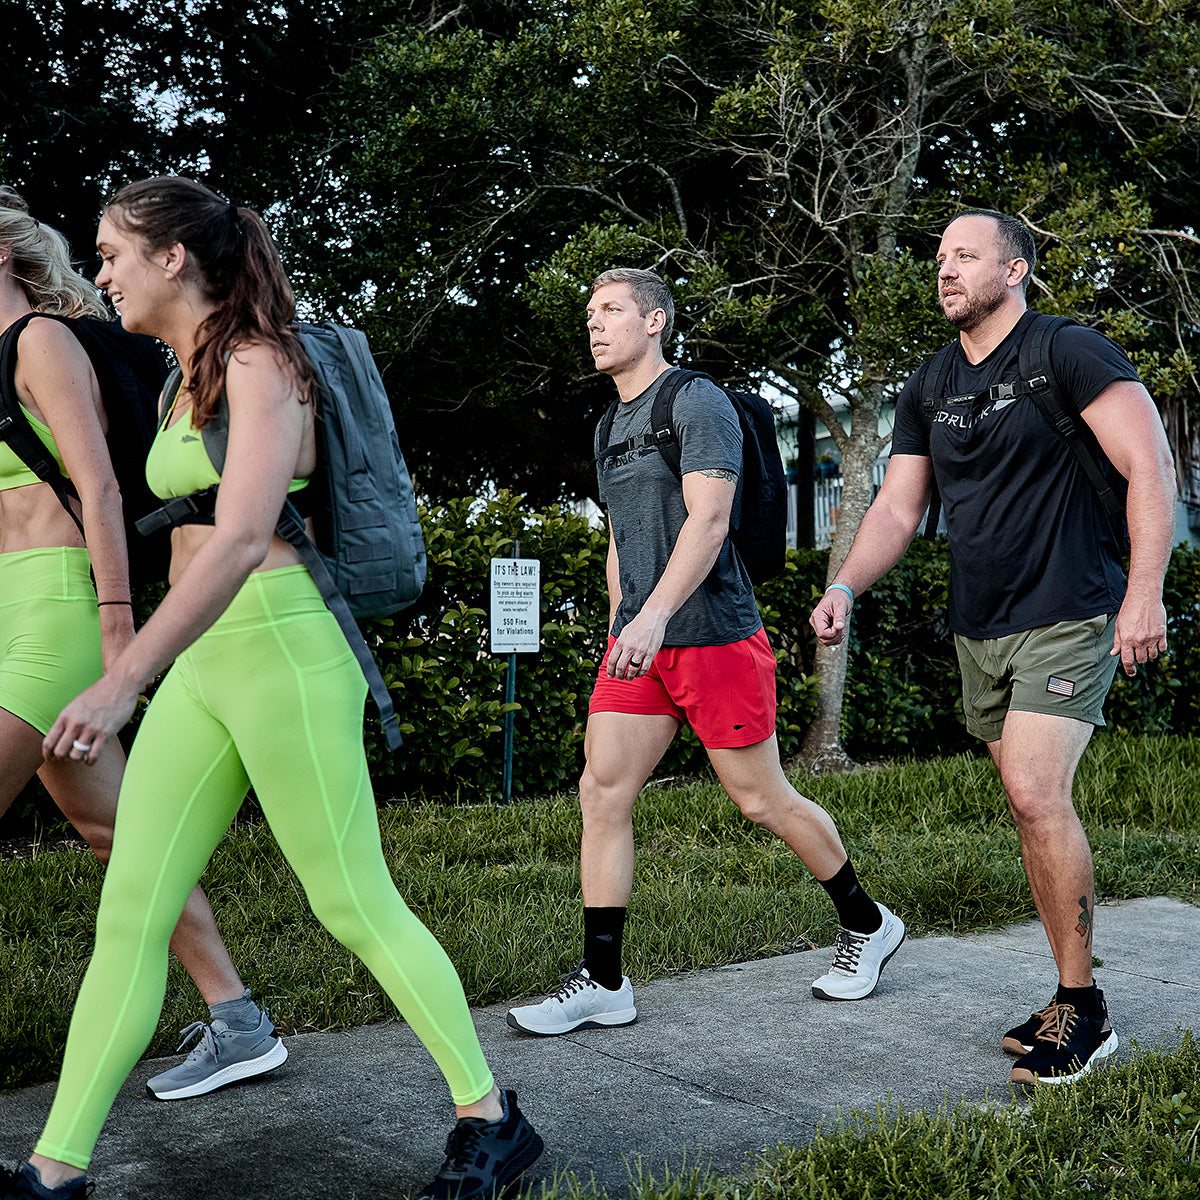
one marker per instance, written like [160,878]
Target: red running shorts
[725,693]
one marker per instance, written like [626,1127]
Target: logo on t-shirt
[960,412]
[1061,687]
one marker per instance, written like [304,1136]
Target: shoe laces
[462,1145]
[576,981]
[1057,1022]
[847,950]
[207,1043]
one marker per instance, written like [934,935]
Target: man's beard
[976,310]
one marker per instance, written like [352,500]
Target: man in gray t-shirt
[686,644]
[647,510]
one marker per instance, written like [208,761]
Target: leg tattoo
[1084,928]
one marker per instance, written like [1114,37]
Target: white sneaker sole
[1027,1077]
[863,991]
[623,1016]
[273,1058]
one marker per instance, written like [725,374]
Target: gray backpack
[368,557]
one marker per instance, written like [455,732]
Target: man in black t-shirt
[686,644]
[1039,604]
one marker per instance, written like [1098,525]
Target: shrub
[449,689]
[903,696]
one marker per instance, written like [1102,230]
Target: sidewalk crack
[687,1083]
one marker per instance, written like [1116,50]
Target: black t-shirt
[1030,542]
[646,510]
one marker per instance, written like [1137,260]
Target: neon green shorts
[49,632]
[1064,669]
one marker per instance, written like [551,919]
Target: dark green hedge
[902,696]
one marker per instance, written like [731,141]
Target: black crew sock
[1085,1000]
[855,909]
[602,932]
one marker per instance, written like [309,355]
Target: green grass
[1126,1133]
[500,888]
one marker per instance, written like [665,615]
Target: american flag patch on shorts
[1061,687]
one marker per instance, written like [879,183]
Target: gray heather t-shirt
[646,510]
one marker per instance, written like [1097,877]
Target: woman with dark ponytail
[264,691]
[57,630]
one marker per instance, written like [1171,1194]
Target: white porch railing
[827,502]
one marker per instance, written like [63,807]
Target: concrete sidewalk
[720,1064]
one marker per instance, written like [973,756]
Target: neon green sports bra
[13,472]
[178,463]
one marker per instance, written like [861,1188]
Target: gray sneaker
[222,1055]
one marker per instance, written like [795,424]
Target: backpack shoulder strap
[14,425]
[604,429]
[662,428]
[166,399]
[8,369]
[196,507]
[933,389]
[937,376]
[216,435]
[1035,367]
[662,418]
[1037,374]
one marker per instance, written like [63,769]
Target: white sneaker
[581,1003]
[858,960]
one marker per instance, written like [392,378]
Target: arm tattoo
[718,473]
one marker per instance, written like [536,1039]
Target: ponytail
[233,259]
[41,263]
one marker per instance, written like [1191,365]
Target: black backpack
[760,535]
[1039,382]
[369,556]
[130,369]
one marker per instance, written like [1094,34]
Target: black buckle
[177,510]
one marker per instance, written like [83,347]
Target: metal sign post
[516,629]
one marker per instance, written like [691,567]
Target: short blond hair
[649,292]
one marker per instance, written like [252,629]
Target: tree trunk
[822,745]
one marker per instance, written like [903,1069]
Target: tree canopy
[450,176]
[787,167]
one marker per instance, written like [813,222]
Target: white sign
[516,605]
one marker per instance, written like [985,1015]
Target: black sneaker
[25,1184]
[1019,1040]
[486,1158]
[1066,1044]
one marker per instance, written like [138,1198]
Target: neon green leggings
[269,696]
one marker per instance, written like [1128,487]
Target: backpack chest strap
[1019,387]
[641,442]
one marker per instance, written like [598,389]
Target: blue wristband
[841,587]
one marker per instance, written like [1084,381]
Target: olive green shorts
[1064,670]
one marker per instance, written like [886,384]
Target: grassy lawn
[499,887]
